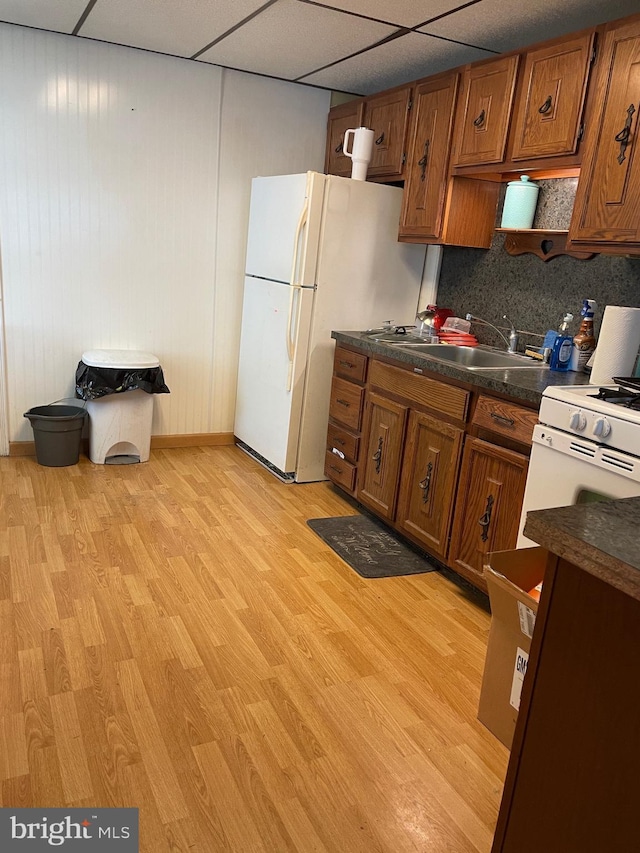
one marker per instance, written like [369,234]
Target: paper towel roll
[618,344]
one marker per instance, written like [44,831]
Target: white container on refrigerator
[322,254]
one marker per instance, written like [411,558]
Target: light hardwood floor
[174,637]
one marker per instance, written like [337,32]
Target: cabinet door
[388,117]
[607,206]
[488,507]
[341,118]
[426,167]
[488,88]
[428,481]
[383,440]
[547,120]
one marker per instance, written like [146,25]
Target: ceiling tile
[406,58]
[289,39]
[181,28]
[61,16]
[489,24]
[402,13]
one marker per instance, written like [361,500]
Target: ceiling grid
[358,46]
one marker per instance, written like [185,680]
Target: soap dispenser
[584,342]
[561,352]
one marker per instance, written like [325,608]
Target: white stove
[604,415]
[585,448]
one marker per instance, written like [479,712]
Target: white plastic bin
[120,424]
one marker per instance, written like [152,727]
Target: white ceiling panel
[181,28]
[290,39]
[489,24]
[60,16]
[399,61]
[403,13]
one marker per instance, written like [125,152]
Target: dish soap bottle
[584,342]
[561,352]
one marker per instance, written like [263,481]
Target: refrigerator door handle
[295,288]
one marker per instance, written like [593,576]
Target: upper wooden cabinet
[549,108]
[341,118]
[483,121]
[428,160]
[388,116]
[607,206]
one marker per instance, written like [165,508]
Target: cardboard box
[509,576]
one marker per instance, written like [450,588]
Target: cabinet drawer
[350,365]
[340,471]
[504,418]
[343,441]
[439,397]
[346,403]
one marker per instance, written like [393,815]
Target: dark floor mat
[369,547]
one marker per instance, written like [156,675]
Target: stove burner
[621,396]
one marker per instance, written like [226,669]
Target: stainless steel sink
[474,358]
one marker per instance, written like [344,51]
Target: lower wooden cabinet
[428,481]
[487,515]
[383,441]
[399,442]
[345,418]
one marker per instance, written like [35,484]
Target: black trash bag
[95,382]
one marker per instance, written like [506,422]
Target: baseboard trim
[158,442]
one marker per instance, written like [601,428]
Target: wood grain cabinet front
[428,157]
[607,206]
[345,417]
[490,494]
[551,99]
[428,481]
[383,442]
[387,115]
[483,120]
[341,118]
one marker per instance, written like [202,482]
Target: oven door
[565,470]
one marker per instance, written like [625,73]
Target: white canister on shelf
[520,203]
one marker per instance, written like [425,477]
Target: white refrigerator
[322,254]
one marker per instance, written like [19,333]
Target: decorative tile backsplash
[534,293]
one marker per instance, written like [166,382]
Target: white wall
[124,187]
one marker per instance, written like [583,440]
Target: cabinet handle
[485,520]
[380,139]
[544,109]
[479,120]
[338,149]
[347,364]
[422,162]
[425,484]
[502,419]
[344,403]
[625,133]
[337,440]
[336,469]
[377,456]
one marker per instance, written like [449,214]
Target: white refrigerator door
[364,277]
[270,387]
[279,229]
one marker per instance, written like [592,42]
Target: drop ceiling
[358,46]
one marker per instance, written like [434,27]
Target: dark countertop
[601,538]
[525,384]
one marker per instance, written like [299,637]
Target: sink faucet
[511,341]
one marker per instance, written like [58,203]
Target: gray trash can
[57,432]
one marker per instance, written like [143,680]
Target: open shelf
[545,243]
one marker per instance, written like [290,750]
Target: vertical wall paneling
[123,200]
[268,127]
